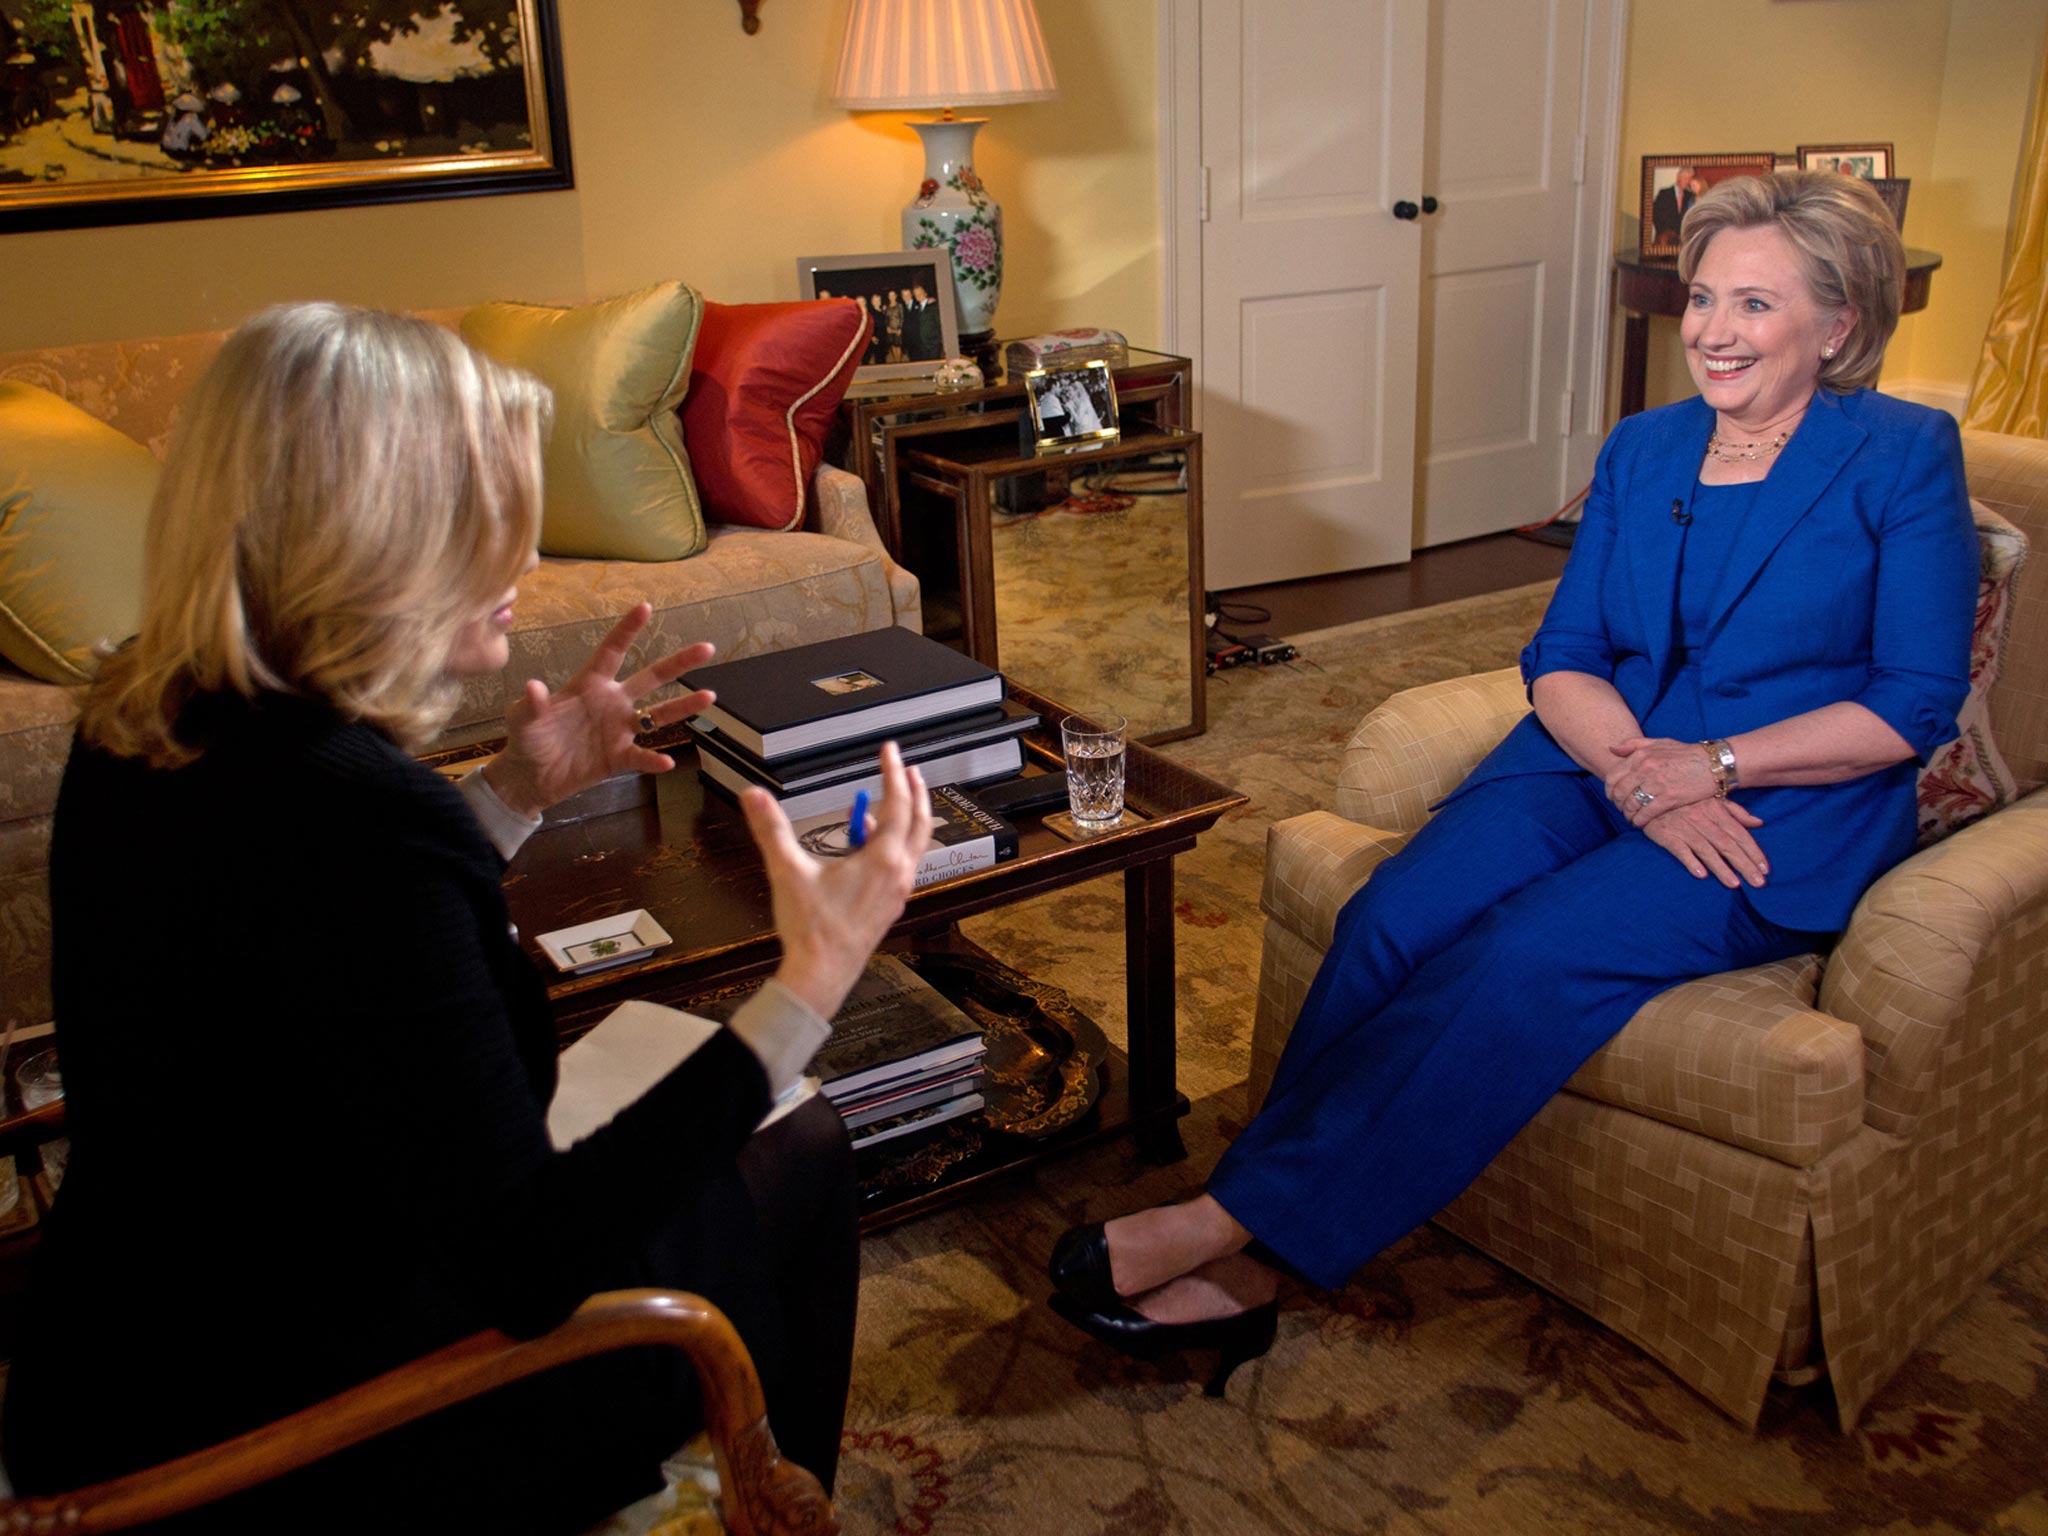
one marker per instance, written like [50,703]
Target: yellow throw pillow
[74,500]
[617,476]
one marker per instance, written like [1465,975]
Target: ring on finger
[646,721]
[1642,796]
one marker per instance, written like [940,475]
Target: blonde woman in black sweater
[271,920]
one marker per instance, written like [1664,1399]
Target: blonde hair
[347,491]
[1847,245]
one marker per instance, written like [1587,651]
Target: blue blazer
[1854,577]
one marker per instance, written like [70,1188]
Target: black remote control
[1021,797]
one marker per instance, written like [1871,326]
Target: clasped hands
[1667,790]
[830,916]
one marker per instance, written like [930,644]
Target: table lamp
[949,53]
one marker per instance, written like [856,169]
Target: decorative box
[1083,344]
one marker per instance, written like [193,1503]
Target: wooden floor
[1440,575]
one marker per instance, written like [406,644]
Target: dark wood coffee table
[687,859]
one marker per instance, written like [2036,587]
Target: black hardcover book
[957,806]
[834,764]
[782,703]
[975,763]
[894,1027]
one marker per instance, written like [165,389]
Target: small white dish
[604,942]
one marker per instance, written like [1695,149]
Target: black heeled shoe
[1079,1268]
[1237,1338]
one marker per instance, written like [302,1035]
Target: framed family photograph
[909,295]
[1872,162]
[122,114]
[1893,190]
[1673,183]
[1072,407]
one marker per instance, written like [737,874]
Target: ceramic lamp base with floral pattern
[953,209]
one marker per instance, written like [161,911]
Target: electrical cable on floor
[1554,529]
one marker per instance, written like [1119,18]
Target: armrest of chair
[1920,941]
[763,1494]
[1419,745]
[1314,863]
[839,507]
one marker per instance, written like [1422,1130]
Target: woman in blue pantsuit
[1763,631]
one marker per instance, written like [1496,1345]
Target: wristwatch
[1721,759]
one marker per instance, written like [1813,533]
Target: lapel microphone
[1679,515]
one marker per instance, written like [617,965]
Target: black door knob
[1430,205]
[1405,210]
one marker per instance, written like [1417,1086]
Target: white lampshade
[942,53]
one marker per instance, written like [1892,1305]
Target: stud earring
[1827,351]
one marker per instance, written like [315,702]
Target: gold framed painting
[114,113]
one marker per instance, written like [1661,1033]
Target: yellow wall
[701,153]
[1947,82]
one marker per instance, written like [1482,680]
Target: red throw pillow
[764,382]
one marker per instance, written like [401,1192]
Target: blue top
[1851,576]
[1718,513]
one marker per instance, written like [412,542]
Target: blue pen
[857,820]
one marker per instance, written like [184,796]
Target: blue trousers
[1469,978]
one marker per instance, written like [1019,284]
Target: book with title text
[965,837]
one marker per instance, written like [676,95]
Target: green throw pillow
[74,500]
[617,476]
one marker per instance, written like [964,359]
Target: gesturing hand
[557,744]
[1712,837]
[831,913]
[1672,774]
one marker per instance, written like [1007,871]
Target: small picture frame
[1072,407]
[909,297]
[1893,190]
[1672,183]
[1871,162]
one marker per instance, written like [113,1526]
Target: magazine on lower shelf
[901,1098]
[930,1116]
[894,1027]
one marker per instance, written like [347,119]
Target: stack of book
[901,1057]
[808,724]
[966,836]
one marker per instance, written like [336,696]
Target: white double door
[1373,383]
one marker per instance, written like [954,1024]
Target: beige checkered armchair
[1795,1170]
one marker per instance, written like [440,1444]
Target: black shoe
[1079,1268]
[1239,1337]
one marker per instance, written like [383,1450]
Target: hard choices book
[965,837]
[782,703]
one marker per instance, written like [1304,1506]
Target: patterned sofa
[1793,1170]
[750,590]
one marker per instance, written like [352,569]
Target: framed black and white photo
[125,114]
[1871,162]
[1072,407]
[909,296]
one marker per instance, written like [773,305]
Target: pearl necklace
[1735,453]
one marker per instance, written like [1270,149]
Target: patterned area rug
[1437,1392]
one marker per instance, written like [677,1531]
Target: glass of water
[1095,769]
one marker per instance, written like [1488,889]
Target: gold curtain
[2011,390]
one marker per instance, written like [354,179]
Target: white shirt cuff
[505,827]
[781,1029]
